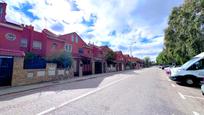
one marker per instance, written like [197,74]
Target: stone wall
[29,76]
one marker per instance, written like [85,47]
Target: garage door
[6,68]
[98,67]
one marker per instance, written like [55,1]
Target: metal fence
[35,63]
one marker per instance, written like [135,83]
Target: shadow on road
[185,85]
[58,87]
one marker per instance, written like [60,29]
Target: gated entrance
[6,68]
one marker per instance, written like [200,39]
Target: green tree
[110,56]
[29,56]
[184,36]
[63,59]
[147,62]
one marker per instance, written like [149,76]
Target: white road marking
[47,111]
[168,78]
[173,85]
[181,95]
[82,96]
[194,97]
[195,113]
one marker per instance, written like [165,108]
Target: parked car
[164,66]
[202,89]
[190,73]
[168,69]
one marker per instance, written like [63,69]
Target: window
[72,38]
[81,50]
[77,40]
[197,65]
[54,45]
[37,45]
[1,11]
[190,62]
[68,48]
[24,43]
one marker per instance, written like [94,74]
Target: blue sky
[136,24]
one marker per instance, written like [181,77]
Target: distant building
[98,59]
[120,61]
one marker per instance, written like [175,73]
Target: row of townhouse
[16,40]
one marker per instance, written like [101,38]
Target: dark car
[164,66]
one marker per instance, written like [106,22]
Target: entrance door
[120,66]
[104,67]
[6,68]
[98,67]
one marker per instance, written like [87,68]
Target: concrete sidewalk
[18,89]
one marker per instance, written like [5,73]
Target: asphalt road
[137,92]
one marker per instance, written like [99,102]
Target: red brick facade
[23,38]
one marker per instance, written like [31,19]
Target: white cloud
[141,18]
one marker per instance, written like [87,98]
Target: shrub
[62,59]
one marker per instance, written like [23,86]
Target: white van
[190,73]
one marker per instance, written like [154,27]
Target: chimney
[3,12]
[30,27]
